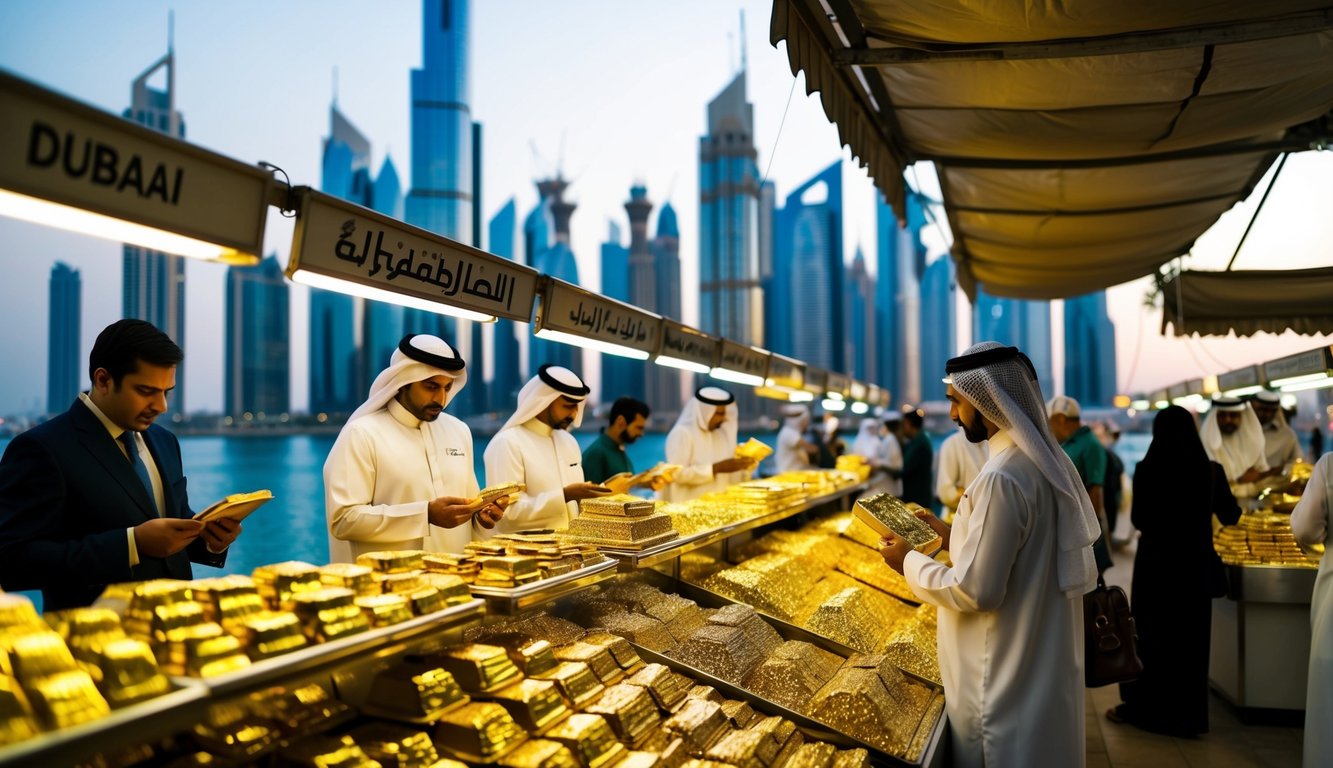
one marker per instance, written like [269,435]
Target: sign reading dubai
[684,343]
[59,150]
[345,241]
[571,309]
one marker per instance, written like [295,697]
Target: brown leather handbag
[1110,640]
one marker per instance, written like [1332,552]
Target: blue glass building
[899,267]
[938,325]
[664,384]
[621,376]
[807,319]
[507,374]
[258,339]
[153,283]
[64,369]
[1020,323]
[557,260]
[1090,367]
[860,318]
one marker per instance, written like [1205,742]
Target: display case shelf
[504,600]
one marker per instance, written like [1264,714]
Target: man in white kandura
[400,474]
[1233,438]
[1281,445]
[793,450]
[1312,525]
[534,447]
[961,461]
[1011,605]
[703,443]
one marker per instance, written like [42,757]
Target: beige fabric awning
[1248,302]
[1078,146]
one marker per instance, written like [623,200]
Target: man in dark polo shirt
[1089,457]
[606,456]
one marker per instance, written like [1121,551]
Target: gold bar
[385,610]
[392,562]
[477,667]
[540,753]
[536,705]
[478,732]
[129,673]
[590,738]
[415,692]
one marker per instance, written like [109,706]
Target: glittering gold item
[65,699]
[17,611]
[495,493]
[699,723]
[870,699]
[329,613]
[739,713]
[478,667]
[793,673]
[396,746]
[814,754]
[779,729]
[630,711]
[146,597]
[641,630]
[228,600]
[540,753]
[667,688]
[681,616]
[744,749]
[270,634]
[84,630]
[424,600]
[860,758]
[721,651]
[621,532]
[242,739]
[385,610]
[753,449]
[757,631]
[845,617]
[129,672]
[278,582]
[463,566]
[534,704]
[707,693]
[590,739]
[399,582]
[478,732]
[399,561]
[414,692]
[39,655]
[617,505]
[353,576]
[774,583]
[328,752]
[547,627]
[913,648]
[597,657]
[452,588]
[620,649]
[888,515]
[574,680]
[303,710]
[16,718]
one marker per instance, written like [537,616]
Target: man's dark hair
[629,408]
[123,344]
[914,418]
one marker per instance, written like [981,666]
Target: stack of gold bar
[464,566]
[85,631]
[882,611]
[278,582]
[871,700]
[17,722]
[721,651]
[758,633]
[424,600]
[631,712]
[912,647]
[384,610]
[598,658]
[817,754]
[668,689]
[700,724]
[739,713]
[680,615]
[783,733]
[590,739]
[641,630]
[707,693]
[271,633]
[329,613]
[553,557]
[146,597]
[867,567]
[228,600]
[547,627]
[846,618]
[480,732]
[774,583]
[396,746]
[358,578]
[303,710]
[575,681]
[327,752]
[621,522]
[762,497]
[792,674]
[536,705]
[529,654]
[66,699]
[397,561]
[540,753]
[854,465]
[507,571]
[129,672]
[452,588]
[399,582]
[59,691]
[233,732]
[209,653]
[478,668]
[626,657]
[417,693]
[744,749]
[1261,538]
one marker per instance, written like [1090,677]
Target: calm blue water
[292,526]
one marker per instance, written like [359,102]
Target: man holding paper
[400,474]
[607,462]
[97,495]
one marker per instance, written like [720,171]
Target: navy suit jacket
[67,494]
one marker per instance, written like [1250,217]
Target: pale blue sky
[618,90]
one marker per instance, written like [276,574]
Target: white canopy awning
[1078,146]
[1248,302]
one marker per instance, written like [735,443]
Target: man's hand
[658,482]
[940,527]
[165,536]
[732,465]
[894,550]
[581,491]
[1250,476]
[220,533]
[449,511]
[492,513]
[619,483]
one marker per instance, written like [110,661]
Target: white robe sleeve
[1310,518]
[504,464]
[349,488]
[982,558]
[681,449]
[950,474]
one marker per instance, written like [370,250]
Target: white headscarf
[1004,389]
[551,383]
[868,442]
[698,410]
[1243,449]
[1270,397]
[418,357]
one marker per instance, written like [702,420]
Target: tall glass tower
[807,320]
[938,340]
[63,378]
[507,376]
[620,375]
[558,262]
[153,283]
[730,298]
[664,383]
[1020,323]
[1090,368]
[899,267]
[441,197]
[258,339]
[860,318]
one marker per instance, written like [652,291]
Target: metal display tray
[509,600]
[1272,584]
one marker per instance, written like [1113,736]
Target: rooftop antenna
[536,157]
[171,31]
[560,158]
[743,62]
[731,50]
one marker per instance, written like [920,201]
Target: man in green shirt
[1089,457]
[606,456]
[918,459]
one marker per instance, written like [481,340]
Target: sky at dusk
[612,93]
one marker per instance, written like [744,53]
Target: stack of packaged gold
[621,522]
[553,556]
[464,565]
[855,465]
[247,730]
[277,583]
[1261,538]
[762,497]
[706,513]
[165,614]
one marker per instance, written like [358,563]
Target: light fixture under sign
[338,285]
[684,365]
[737,377]
[596,345]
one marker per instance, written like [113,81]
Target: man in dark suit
[97,495]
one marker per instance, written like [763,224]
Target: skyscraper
[507,374]
[1090,370]
[63,377]
[860,318]
[557,261]
[938,339]
[153,283]
[808,320]
[620,375]
[1020,323]
[730,296]
[381,323]
[664,384]
[899,267]
[258,342]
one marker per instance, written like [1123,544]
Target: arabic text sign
[1249,376]
[58,149]
[1306,363]
[815,381]
[343,240]
[743,359]
[684,343]
[837,383]
[571,309]
[786,372]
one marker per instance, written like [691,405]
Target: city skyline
[593,100]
